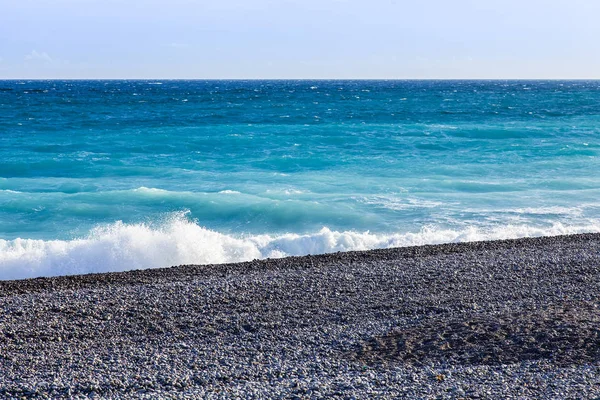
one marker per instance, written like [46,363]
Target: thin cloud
[37,56]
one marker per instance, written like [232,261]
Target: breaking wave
[122,247]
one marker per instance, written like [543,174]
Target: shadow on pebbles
[564,334]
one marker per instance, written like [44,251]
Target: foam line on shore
[122,247]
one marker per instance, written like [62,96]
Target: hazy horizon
[291,39]
[311,79]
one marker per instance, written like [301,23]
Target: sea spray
[178,240]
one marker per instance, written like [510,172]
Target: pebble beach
[499,319]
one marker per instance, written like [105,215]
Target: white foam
[287,192]
[293,191]
[151,191]
[549,210]
[398,203]
[121,247]
[543,210]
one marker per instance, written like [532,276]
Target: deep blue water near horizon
[115,175]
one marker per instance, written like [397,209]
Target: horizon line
[300,79]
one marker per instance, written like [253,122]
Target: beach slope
[514,318]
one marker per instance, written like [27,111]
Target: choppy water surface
[115,175]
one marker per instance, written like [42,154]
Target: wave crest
[122,247]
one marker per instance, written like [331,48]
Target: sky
[299,39]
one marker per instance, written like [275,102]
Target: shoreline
[60,281]
[507,318]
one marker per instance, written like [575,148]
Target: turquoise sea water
[117,175]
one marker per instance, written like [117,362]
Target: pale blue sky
[299,39]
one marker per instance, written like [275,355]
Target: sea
[99,176]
